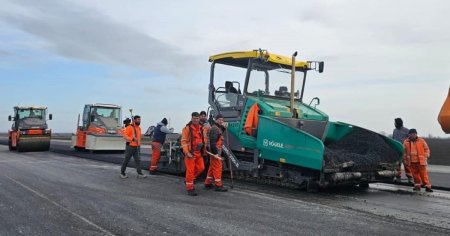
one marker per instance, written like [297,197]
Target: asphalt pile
[364,148]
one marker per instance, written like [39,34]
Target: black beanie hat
[164,121]
[218,116]
[203,113]
[412,131]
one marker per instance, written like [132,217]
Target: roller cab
[100,129]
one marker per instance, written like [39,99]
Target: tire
[11,148]
[19,148]
[312,186]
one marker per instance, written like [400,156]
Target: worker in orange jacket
[193,144]
[159,137]
[132,136]
[215,141]
[416,155]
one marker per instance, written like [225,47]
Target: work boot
[397,180]
[429,190]
[422,186]
[123,176]
[192,192]
[208,186]
[220,189]
[152,172]
[416,188]
[141,176]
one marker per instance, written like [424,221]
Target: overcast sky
[383,59]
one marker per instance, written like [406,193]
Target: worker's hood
[32,123]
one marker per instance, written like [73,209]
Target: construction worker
[416,155]
[215,140]
[127,122]
[203,118]
[132,135]
[193,142]
[159,137]
[400,134]
[206,126]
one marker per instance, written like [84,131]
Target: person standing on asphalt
[215,141]
[159,137]
[400,134]
[193,142]
[416,155]
[206,126]
[132,135]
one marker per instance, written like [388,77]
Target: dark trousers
[136,153]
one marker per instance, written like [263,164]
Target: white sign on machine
[271,143]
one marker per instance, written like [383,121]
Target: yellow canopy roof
[30,107]
[240,59]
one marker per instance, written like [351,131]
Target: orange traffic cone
[444,115]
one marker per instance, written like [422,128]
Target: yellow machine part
[444,115]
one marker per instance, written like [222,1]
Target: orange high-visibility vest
[133,132]
[416,151]
[191,136]
[252,119]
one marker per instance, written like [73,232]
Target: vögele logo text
[272,143]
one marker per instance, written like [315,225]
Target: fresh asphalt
[48,193]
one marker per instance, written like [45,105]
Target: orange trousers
[407,170]
[420,175]
[156,154]
[214,172]
[194,167]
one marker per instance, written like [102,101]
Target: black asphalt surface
[48,193]
[439,180]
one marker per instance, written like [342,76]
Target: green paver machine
[285,140]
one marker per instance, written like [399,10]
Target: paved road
[47,193]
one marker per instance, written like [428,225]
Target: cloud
[4,53]
[81,33]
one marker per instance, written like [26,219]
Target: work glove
[189,155]
[225,125]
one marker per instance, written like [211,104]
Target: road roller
[29,131]
[100,129]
